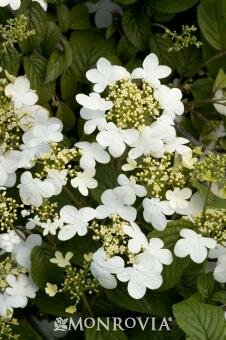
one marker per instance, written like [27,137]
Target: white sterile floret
[104,9]
[10,241]
[84,181]
[219,190]
[194,245]
[194,207]
[23,253]
[92,153]
[154,251]
[7,303]
[148,143]
[48,131]
[138,239]
[95,119]
[21,288]
[50,227]
[58,178]
[60,260]
[42,3]
[169,100]
[188,161]
[103,268]
[14,4]
[94,101]
[220,102]
[106,74]
[30,116]
[114,204]
[33,190]
[116,139]
[178,198]
[20,92]
[177,144]
[151,71]
[219,253]
[130,165]
[130,189]
[75,221]
[155,211]
[8,167]
[140,276]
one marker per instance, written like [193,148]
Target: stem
[206,201]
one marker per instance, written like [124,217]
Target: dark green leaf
[51,39]
[205,284]
[63,17]
[10,61]
[79,18]
[104,334]
[172,6]
[55,305]
[66,115]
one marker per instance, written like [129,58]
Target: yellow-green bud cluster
[211,169]
[10,131]
[112,236]
[6,331]
[133,107]
[47,211]
[8,212]
[7,266]
[59,159]
[213,224]
[183,40]
[78,282]
[16,30]
[160,175]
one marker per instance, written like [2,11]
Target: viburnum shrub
[127,214]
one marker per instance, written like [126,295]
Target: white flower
[177,144]
[194,207]
[21,288]
[92,152]
[103,267]
[76,221]
[163,128]
[130,189]
[131,165]
[220,270]
[116,139]
[24,251]
[30,116]
[188,161]
[60,260]
[32,222]
[10,241]
[178,198]
[84,181]
[138,239]
[219,190]
[20,91]
[194,245]
[58,179]
[42,3]
[220,104]
[8,167]
[6,304]
[170,100]
[33,190]
[49,131]
[96,119]
[114,204]
[141,276]
[147,143]
[93,102]
[155,211]
[105,10]
[151,71]
[105,74]
[14,4]
[23,159]
[50,227]
[153,251]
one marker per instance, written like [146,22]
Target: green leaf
[66,115]
[51,39]
[68,86]
[37,20]
[153,302]
[10,61]
[63,17]
[125,49]
[79,17]
[136,26]
[35,69]
[126,2]
[104,334]
[59,61]
[172,6]
[219,297]
[42,270]
[200,321]
[55,305]
[220,82]
[205,284]
[87,47]
[212,21]
[26,331]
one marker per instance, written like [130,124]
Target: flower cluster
[129,117]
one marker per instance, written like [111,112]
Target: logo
[60,324]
